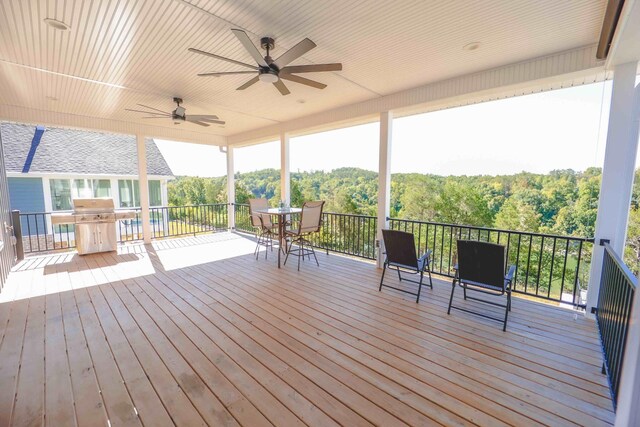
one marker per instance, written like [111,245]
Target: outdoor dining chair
[310,222]
[400,251]
[266,230]
[481,268]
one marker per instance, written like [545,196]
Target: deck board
[195,331]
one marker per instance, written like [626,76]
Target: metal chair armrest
[509,276]
[425,256]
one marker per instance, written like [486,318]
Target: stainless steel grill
[95,224]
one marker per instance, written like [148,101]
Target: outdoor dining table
[282,214]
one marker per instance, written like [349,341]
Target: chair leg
[419,287]
[257,250]
[399,276]
[287,251]
[266,245]
[464,290]
[506,311]
[453,288]
[301,252]
[313,252]
[429,273]
[384,270]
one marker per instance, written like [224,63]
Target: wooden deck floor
[195,331]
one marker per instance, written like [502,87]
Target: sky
[561,129]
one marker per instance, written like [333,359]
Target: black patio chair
[400,253]
[481,268]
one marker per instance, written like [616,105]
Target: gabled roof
[34,149]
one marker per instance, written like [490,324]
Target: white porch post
[617,175]
[285,175]
[629,393]
[231,190]
[144,188]
[384,179]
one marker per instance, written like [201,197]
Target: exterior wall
[26,194]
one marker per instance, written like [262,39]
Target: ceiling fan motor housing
[179,112]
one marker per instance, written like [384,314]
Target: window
[155,193]
[81,189]
[101,188]
[64,190]
[129,193]
[129,190]
[60,194]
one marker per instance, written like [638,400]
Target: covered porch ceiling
[403,56]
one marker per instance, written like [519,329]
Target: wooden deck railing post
[17,233]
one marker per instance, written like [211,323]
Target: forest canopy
[561,202]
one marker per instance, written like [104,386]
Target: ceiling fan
[179,115]
[270,70]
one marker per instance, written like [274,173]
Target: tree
[518,215]
[460,203]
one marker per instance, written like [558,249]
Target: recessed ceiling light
[471,46]
[301,101]
[58,25]
[52,98]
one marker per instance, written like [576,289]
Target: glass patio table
[282,214]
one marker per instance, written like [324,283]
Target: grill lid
[96,205]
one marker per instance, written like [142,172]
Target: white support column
[285,174]
[144,188]
[384,179]
[617,175]
[231,190]
[629,393]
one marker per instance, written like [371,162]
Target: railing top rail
[631,278]
[500,230]
[188,206]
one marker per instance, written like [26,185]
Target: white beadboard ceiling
[119,53]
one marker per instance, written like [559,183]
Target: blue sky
[535,133]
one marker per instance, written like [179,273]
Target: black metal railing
[547,266]
[617,287]
[130,230]
[348,234]
[39,234]
[170,221]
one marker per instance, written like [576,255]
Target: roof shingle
[68,151]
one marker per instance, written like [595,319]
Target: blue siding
[27,195]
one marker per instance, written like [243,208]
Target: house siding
[26,194]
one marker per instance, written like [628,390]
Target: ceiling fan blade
[294,53]
[313,68]
[202,117]
[149,112]
[225,73]
[222,58]
[281,87]
[250,47]
[249,83]
[198,123]
[151,108]
[217,122]
[155,117]
[303,81]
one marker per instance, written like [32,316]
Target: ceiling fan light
[55,24]
[268,77]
